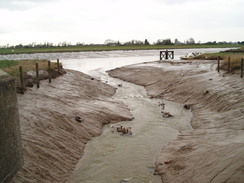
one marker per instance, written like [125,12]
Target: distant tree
[133,42]
[167,42]
[163,42]
[65,44]
[79,44]
[177,42]
[159,42]
[19,46]
[190,41]
[146,42]
[110,42]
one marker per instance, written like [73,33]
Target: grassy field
[105,48]
[234,55]
[12,67]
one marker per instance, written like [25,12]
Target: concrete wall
[11,158]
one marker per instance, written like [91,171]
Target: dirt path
[53,141]
[213,150]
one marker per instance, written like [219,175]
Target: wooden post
[49,71]
[218,67]
[242,60]
[166,54]
[228,64]
[58,65]
[37,76]
[21,79]
[160,55]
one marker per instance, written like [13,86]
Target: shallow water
[87,56]
[113,157]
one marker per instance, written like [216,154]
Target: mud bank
[53,141]
[213,150]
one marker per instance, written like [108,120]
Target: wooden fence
[229,69]
[22,84]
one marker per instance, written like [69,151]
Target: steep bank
[213,150]
[53,141]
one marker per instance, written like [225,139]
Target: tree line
[110,42]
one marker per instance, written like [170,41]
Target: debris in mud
[126,180]
[77,118]
[162,105]
[168,161]
[123,130]
[187,106]
[120,85]
[206,92]
[156,172]
[166,114]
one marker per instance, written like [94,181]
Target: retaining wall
[11,158]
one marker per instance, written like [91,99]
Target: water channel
[112,157]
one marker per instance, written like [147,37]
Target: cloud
[123,20]
[18,5]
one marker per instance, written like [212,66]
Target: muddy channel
[113,157]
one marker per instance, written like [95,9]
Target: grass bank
[105,48]
[11,67]
[234,55]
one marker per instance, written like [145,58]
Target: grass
[106,48]
[7,63]
[12,67]
[235,55]
[235,62]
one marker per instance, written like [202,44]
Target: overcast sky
[94,21]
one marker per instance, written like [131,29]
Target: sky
[94,21]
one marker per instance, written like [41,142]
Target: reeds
[234,62]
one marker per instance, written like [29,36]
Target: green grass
[27,65]
[235,55]
[105,48]
[7,63]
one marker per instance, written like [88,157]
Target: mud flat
[213,150]
[53,140]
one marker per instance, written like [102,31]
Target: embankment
[213,150]
[53,141]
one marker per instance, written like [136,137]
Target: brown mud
[213,150]
[58,119]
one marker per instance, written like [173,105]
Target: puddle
[113,157]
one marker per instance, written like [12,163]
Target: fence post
[242,60]
[166,54]
[37,76]
[21,79]
[228,64]
[58,65]
[218,67]
[49,71]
